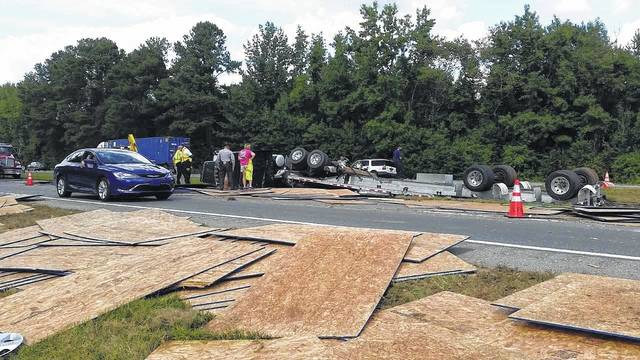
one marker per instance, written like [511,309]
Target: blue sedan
[110,172]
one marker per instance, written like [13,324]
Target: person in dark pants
[182,162]
[227,163]
[397,160]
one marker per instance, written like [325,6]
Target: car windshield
[6,150]
[122,157]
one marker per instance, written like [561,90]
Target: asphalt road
[529,244]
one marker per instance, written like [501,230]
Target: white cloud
[622,6]
[29,49]
[569,7]
[473,30]
[627,31]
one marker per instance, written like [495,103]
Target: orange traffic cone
[29,179]
[607,183]
[516,209]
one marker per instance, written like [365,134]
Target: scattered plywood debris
[209,277]
[302,348]
[222,193]
[344,202]
[14,209]
[71,258]
[44,309]
[343,274]
[7,200]
[427,245]
[16,236]
[528,296]
[594,304]
[443,263]
[263,266]
[314,192]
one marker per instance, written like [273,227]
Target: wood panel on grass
[528,296]
[71,257]
[7,200]
[597,304]
[302,348]
[14,209]
[427,245]
[443,263]
[44,309]
[327,286]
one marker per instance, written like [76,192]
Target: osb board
[302,348]
[207,299]
[214,192]
[444,262]
[599,305]
[40,240]
[475,318]
[71,258]
[7,201]
[343,274]
[209,277]
[222,289]
[15,235]
[314,191]
[528,296]
[264,265]
[61,224]
[14,209]
[46,308]
[427,245]
[9,253]
[292,233]
[344,202]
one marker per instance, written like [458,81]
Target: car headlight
[124,175]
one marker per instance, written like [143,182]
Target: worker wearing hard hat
[182,163]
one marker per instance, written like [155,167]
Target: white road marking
[515,246]
[562,251]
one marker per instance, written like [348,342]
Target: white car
[380,167]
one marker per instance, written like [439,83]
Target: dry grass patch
[623,195]
[487,284]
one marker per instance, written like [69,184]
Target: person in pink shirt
[246,165]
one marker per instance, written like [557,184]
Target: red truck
[9,165]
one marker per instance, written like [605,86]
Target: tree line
[537,97]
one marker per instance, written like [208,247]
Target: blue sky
[30,30]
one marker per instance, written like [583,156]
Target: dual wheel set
[560,184]
[311,161]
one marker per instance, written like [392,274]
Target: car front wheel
[61,187]
[103,189]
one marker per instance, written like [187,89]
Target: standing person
[397,160]
[182,163]
[227,163]
[246,165]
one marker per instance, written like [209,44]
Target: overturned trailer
[480,181]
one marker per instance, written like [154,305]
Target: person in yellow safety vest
[182,163]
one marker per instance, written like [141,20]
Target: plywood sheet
[214,192]
[328,286]
[314,191]
[44,309]
[528,296]
[427,245]
[14,209]
[264,265]
[344,202]
[209,277]
[599,305]
[71,258]
[7,201]
[442,263]
[304,348]
[57,226]
[475,318]
[40,240]
[17,235]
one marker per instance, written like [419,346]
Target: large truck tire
[562,184]
[587,176]
[298,158]
[505,174]
[316,161]
[479,178]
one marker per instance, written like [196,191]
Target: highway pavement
[552,245]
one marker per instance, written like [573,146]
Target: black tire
[103,194]
[505,174]
[478,178]
[562,184]
[61,187]
[316,161]
[163,196]
[298,157]
[587,176]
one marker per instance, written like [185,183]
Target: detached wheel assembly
[298,157]
[587,176]
[505,174]
[563,184]
[479,178]
[316,161]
